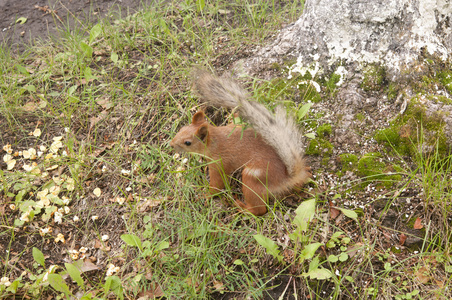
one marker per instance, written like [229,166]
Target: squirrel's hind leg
[255,194]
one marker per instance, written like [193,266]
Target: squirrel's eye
[188,143]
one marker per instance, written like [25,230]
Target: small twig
[285,290]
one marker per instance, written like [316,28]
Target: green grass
[116,93]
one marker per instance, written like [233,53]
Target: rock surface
[390,32]
[374,46]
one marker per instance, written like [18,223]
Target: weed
[95,205]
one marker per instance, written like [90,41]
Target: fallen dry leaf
[148,275]
[418,224]
[84,266]
[148,204]
[53,167]
[339,219]
[219,286]
[422,275]
[288,255]
[104,247]
[105,103]
[334,212]
[94,120]
[99,151]
[402,239]
[84,81]
[353,250]
[30,106]
[440,283]
[155,291]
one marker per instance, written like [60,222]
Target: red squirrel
[270,153]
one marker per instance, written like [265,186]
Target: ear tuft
[198,118]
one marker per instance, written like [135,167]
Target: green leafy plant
[304,248]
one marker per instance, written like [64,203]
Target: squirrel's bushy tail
[279,130]
[219,92]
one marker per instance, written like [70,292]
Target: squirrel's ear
[198,118]
[202,132]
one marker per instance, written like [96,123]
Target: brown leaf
[100,53]
[417,224]
[352,250]
[148,275]
[192,283]
[83,81]
[105,103]
[219,286]
[339,219]
[402,239]
[109,145]
[129,198]
[405,131]
[440,283]
[151,178]
[88,266]
[94,120]
[334,212]
[143,206]
[97,244]
[30,106]
[104,247]
[155,291]
[83,266]
[288,255]
[422,275]
[98,152]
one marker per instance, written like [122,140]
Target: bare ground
[44,18]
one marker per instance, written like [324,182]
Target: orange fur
[230,148]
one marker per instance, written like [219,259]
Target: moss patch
[320,145]
[371,164]
[446,80]
[372,167]
[392,91]
[349,162]
[374,77]
[408,132]
[324,131]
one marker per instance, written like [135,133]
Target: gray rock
[390,32]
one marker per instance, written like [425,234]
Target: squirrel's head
[192,138]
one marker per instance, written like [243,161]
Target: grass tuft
[95,204]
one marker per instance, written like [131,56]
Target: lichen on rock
[391,33]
